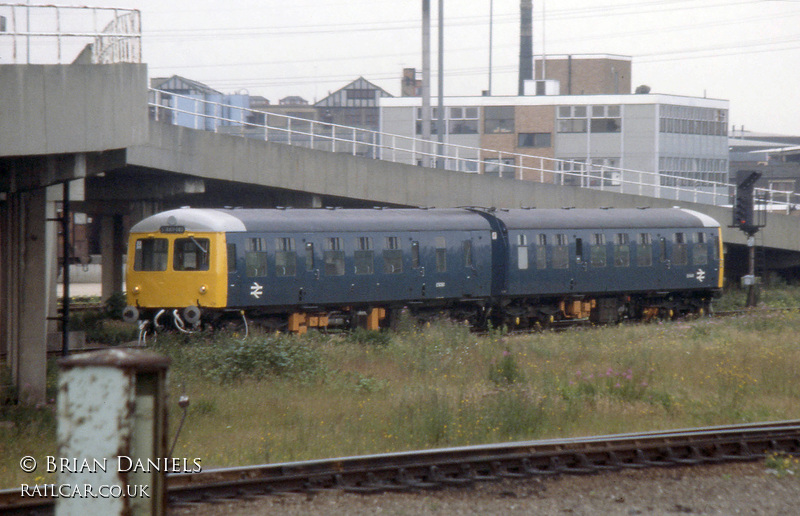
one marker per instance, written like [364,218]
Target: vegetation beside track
[274,398]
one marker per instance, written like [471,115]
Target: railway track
[464,466]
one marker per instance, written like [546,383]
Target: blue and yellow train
[299,268]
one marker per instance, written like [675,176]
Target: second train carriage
[606,264]
[306,268]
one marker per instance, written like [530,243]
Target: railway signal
[744,217]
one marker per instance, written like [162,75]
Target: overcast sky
[745,51]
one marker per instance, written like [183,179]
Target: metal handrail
[205,114]
[114,34]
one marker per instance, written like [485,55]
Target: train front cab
[175,274]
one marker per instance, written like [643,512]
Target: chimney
[525,44]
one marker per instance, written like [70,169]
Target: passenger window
[466,247]
[364,256]
[662,249]
[285,257]
[151,254]
[441,255]
[255,257]
[579,249]
[644,251]
[598,251]
[561,252]
[541,252]
[190,254]
[231,257]
[622,250]
[522,252]
[715,248]
[700,251]
[393,255]
[415,254]
[680,250]
[309,256]
[333,256]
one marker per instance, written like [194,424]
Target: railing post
[354,141]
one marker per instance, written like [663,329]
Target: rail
[199,113]
[427,469]
[47,34]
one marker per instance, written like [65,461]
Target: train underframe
[480,313]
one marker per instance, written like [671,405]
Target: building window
[537,140]
[463,120]
[571,119]
[360,94]
[693,120]
[500,167]
[498,119]
[605,119]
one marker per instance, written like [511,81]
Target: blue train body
[306,268]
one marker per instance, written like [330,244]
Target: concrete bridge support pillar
[112,242]
[24,285]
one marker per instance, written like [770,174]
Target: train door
[476,267]
[580,267]
[237,271]
[308,270]
[284,285]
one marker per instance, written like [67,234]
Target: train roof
[416,219]
[313,220]
[604,218]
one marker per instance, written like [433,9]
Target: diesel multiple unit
[299,268]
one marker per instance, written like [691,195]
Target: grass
[276,398]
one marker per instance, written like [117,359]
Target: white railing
[47,34]
[198,113]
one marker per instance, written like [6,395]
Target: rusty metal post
[112,433]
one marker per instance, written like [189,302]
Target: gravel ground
[721,489]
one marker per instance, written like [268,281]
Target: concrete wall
[57,109]
[208,155]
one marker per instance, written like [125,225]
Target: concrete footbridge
[87,132]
